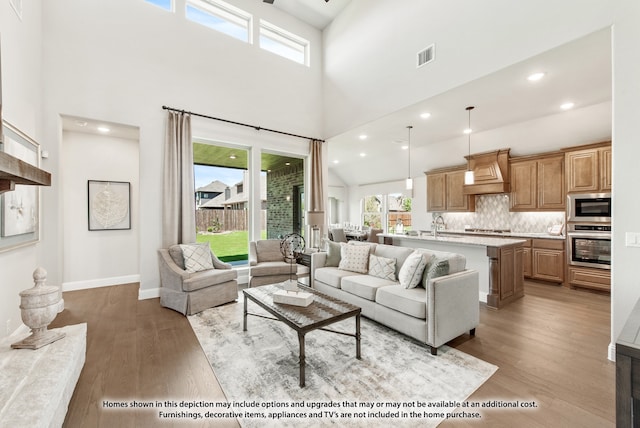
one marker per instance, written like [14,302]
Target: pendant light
[409,181]
[468,175]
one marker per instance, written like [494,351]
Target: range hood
[491,171]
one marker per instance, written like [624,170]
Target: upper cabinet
[445,191]
[589,169]
[537,183]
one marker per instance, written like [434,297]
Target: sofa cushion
[412,269]
[268,250]
[382,267]
[207,278]
[436,267]
[332,275]
[400,254]
[354,258]
[364,286]
[412,301]
[197,257]
[272,268]
[457,262]
[333,253]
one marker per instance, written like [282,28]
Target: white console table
[36,385]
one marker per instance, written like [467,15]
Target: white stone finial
[39,276]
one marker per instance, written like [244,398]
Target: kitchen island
[498,260]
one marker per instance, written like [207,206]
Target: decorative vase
[39,306]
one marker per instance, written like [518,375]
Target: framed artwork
[109,205]
[20,207]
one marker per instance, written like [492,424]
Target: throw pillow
[437,267]
[333,253]
[411,271]
[197,257]
[354,258]
[382,267]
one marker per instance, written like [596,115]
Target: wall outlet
[632,239]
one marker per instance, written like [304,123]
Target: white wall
[97,258]
[21,99]
[626,152]
[121,61]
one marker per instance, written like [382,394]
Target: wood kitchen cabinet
[589,169]
[537,183]
[585,277]
[444,191]
[544,259]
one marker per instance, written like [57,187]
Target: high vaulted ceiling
[318,13]
[509,112]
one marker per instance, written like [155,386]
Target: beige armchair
[268,266]
[193,292]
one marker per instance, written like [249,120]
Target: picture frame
[20,208]
[109,205]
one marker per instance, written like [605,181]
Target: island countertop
[484,241]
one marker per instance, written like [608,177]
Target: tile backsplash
[492,212]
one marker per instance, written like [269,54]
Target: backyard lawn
[229,246]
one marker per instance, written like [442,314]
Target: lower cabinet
[544,259]
[584,277]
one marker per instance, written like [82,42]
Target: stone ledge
[36,385]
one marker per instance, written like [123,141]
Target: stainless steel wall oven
[589,245]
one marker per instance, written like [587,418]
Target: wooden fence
[226,220]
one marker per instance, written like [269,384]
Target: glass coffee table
[323,311]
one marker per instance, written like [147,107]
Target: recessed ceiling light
[405,147]
[467,131]
[81,123]
[363,137]
[535,77]
[336,161]
[362,155]
[103,129]
[567,106]
[425,115]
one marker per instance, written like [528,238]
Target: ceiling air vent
[426,55]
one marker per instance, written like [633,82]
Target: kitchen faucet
[436,225]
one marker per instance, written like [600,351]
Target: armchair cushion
[268,250]
[207,278]
[273,268]
[197,257]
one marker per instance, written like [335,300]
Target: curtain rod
[257,128]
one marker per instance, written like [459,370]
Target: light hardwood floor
[550,347]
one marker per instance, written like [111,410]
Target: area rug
[397,381]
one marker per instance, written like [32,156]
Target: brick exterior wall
[282,214]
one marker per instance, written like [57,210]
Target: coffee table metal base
[303,331]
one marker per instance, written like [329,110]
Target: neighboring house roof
[235,197]
[214,186]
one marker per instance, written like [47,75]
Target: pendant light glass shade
[469,177]
[409,180]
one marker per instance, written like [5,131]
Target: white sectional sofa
[436,311]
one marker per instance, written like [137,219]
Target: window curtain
[315,215]
[178,204]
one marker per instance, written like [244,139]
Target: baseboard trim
[151,293]
[102,282]
[612,352]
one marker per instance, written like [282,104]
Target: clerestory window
[281,42]
[164,4]
[222,17]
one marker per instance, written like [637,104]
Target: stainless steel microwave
[589,207]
